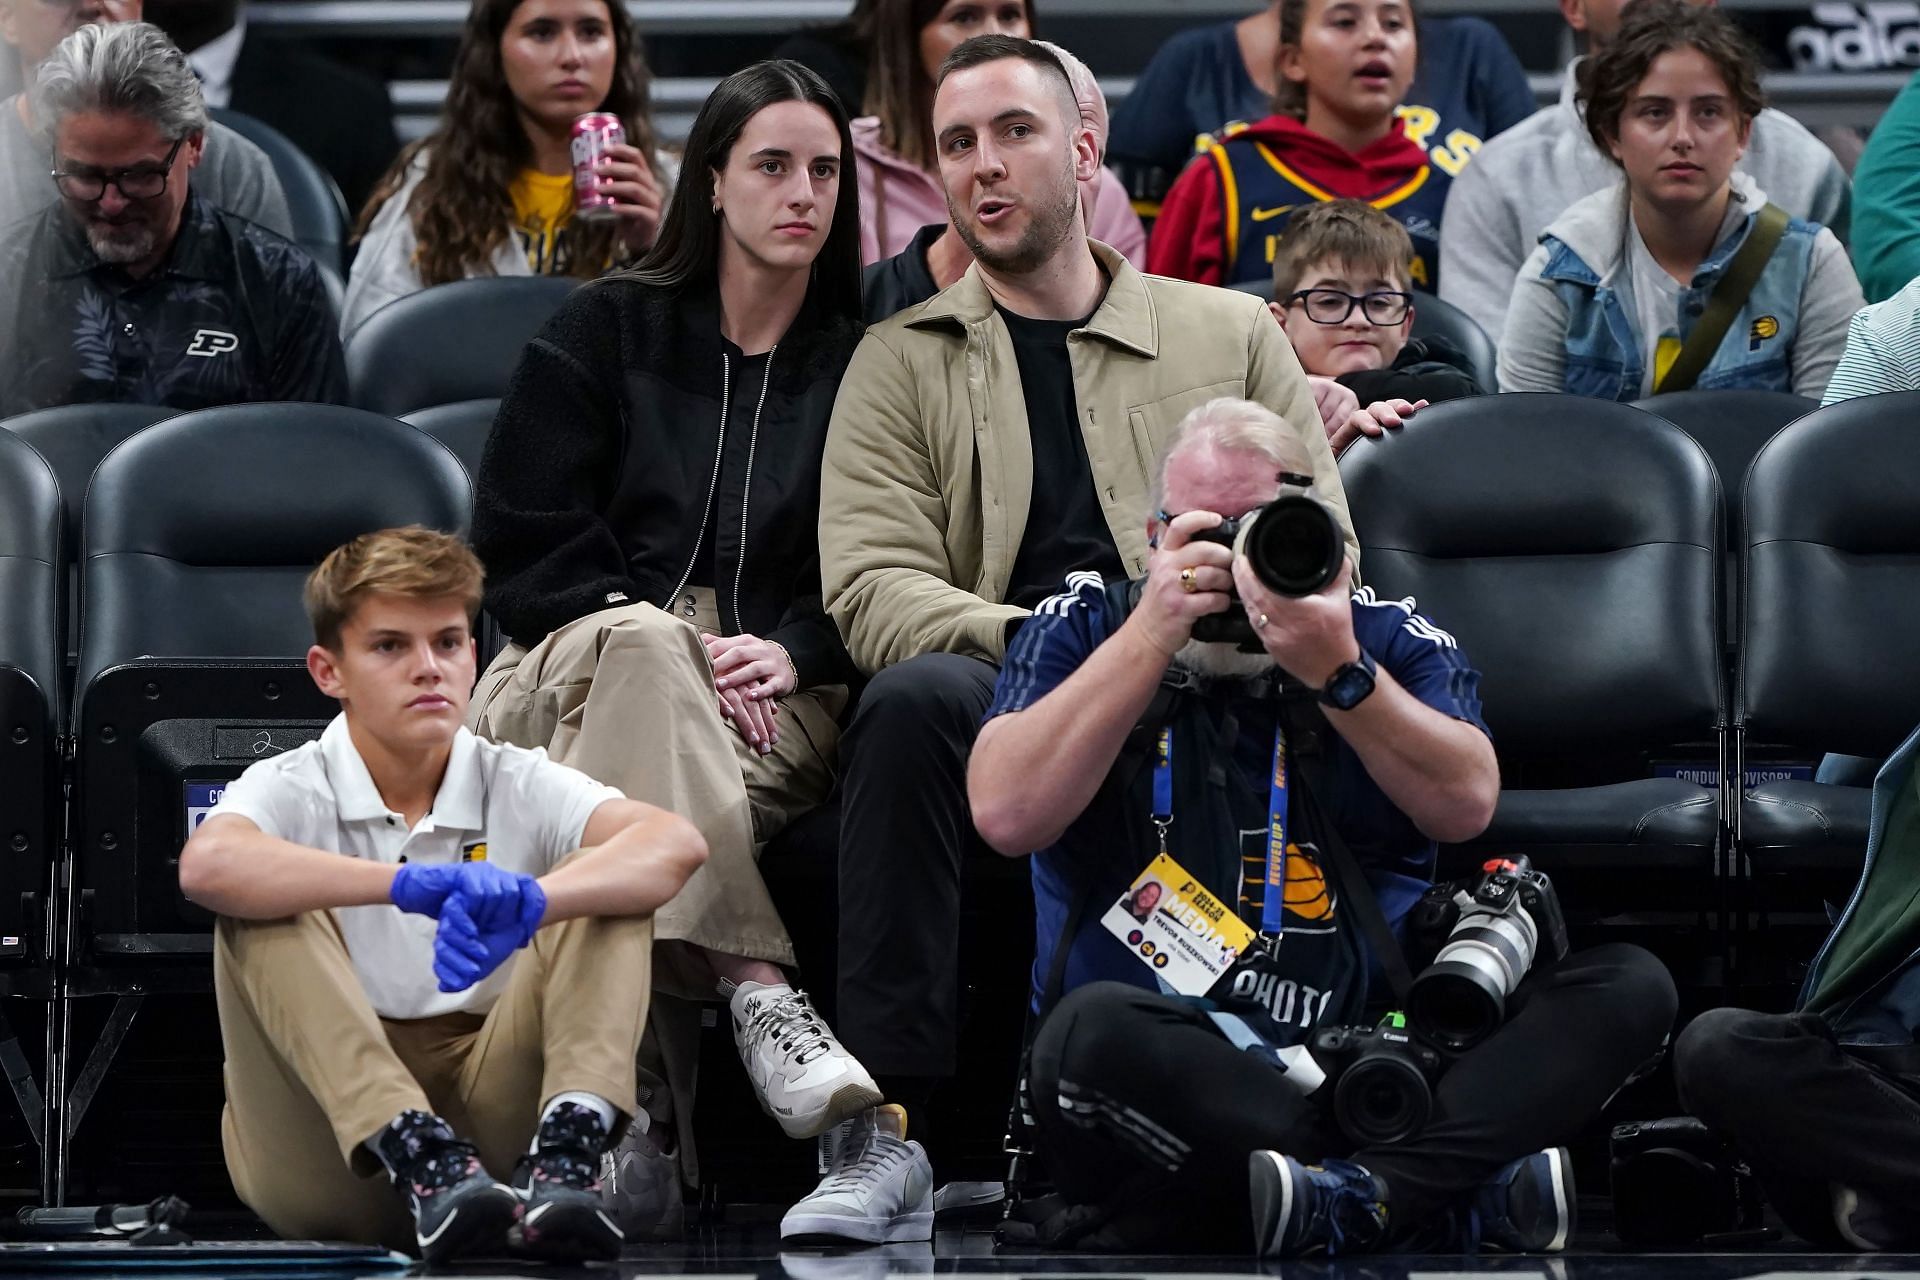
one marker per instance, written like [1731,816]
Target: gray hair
[1238,426]
[120,68]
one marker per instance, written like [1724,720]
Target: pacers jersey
[1259,192]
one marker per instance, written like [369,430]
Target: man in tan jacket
[985,445]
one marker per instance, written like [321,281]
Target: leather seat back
[1571,545]
[200,531]
[458,341]
[1831,598]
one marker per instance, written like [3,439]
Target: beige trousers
[312,1072]
[626,696]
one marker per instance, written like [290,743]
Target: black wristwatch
[1349,685]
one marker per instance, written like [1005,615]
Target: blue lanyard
[1273,905]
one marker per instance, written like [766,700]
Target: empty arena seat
[320,217]
[452,342]
[74,437]
[31,654]
[198,536]
[1572,546]
[463,427]
[1830,580]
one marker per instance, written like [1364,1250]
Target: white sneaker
[804,1078]
[640,1188]
[879,1191]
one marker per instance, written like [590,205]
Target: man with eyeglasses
[234,174]
[133,287]
[1342,293]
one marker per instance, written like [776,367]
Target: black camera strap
[1305,729]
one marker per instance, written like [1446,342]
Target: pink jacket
[897,200]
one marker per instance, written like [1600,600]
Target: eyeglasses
[1331,306]
[142,183]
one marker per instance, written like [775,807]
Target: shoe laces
[442,1165]
[790,1022]
[1350,1209]
[862,1153]
[568,1147]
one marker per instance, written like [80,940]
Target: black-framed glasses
[1331,306]
[141,183]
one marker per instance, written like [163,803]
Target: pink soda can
[593,133]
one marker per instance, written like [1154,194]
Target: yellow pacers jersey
[542,211]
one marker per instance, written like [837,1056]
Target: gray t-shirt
[233,174]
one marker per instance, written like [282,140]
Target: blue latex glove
[422,887]
[479,931]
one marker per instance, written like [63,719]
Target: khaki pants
[626,696]
[312,1072]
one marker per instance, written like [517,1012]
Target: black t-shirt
[747,376]
[1066,530]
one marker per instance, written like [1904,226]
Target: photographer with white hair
[1281,753]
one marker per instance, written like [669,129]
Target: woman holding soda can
[647,511]
[492,190]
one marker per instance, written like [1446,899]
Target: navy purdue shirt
[236,313]
[1220,791]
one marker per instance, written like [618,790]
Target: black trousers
[1139,1096]
[905,831]
[1804,1111]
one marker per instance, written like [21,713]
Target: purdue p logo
[213,342]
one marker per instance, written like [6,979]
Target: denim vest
[1604,353]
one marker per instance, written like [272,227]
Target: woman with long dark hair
[900,190]
[490,191]
[647,513]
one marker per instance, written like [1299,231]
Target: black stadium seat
[32,571]
[462,426]
[198,535]
[1573,548]
[1730,425]
[1830,584]
[452,342]
[320,217]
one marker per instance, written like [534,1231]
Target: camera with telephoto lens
[1488,937]
[1379,1080]
[1294,546]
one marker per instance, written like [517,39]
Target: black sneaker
[458,1208]
[559,1185]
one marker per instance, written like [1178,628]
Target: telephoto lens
[1294,545]
[1504,925]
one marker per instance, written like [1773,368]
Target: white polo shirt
[512,806]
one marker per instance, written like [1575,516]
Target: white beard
[1222,658]
[122,245]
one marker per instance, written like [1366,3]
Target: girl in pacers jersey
[1338,130]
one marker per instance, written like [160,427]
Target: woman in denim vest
[1606,302]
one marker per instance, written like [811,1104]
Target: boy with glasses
[132,287]
[1342,292]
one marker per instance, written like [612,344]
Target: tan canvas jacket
[929,464]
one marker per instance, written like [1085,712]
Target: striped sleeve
[1050,646]
[1883,349]
[1426,660]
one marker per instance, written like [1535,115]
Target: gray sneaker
[1870,1224]
[804,1078]
[640,1186]
[878,1191]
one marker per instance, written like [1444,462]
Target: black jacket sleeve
[307,364]
[809,636]
[548,472]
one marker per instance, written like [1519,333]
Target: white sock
[591,1101]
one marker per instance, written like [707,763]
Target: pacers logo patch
[475,852]
[1762,329]
[1306,887]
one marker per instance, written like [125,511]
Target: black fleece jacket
[593,489]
